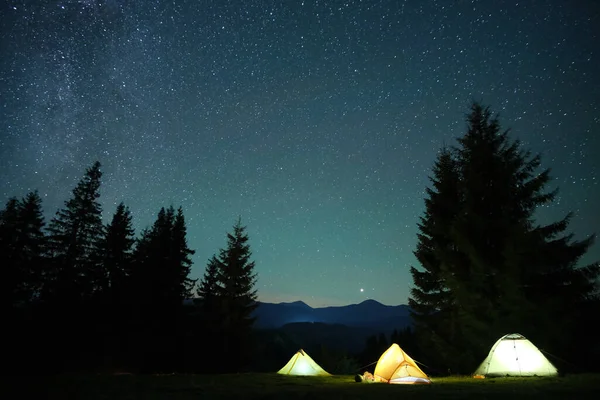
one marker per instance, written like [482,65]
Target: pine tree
[154,256]
[154,288]
[116,249]
[511,257]
[181,256]
[32,243]
[140,302]
[160,281]
[237,278]
[114,310]
[433,307]
[209,288]
[182,264]
[487,268]
[230,278]
[74,234]
[22,245]
[207,318]
[13,276]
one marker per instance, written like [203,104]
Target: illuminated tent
[515,355]
[395,366]
[302,364]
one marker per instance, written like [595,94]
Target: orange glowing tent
[395,366]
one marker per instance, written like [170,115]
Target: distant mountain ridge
[367,314]
[297,325]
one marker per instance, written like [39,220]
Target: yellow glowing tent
[302,364]
[514,355]
[395,366]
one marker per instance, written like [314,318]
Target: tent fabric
[302,364]
[395,366]
[515,355]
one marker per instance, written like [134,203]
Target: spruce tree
[181,254]
[13,276]
[8,219]
[486,267]
[182,264]
[208,288]
[153,285]
[22,246]
[141,270]
[32,244]
[116,250]
[433,308]
[154,254]
[160,281]
[74,234]
[235,298]
[207,319]
[237,279]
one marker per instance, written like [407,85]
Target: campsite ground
[273,386]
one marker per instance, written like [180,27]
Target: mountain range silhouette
[369,313]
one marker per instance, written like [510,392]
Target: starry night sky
[317,122]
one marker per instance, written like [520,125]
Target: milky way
[317,122]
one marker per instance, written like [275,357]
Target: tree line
[78,294]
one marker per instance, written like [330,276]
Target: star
[319,133]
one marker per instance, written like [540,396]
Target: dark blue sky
[317,122]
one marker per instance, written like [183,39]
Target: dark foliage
[73,238]
[487,268]
[159,285]
[82,295]
[116,248]
[78,297]
[227,299]
[22,244]
[113,308]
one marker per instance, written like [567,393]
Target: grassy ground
[273,386]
